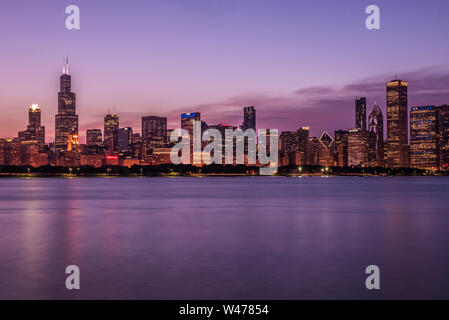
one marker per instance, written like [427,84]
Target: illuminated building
[303,140]
[360,113]
[249,118]
[313,147]
[444,137]
[397,124]
[66,121]
[10,152]
[187,121]
[424,131]
[289,149]
[357,148]
[111,126]
[341,148]
[31,155]
[326,150]
[376,137]
[94,137]
[73,143]
[124,139]
[34,131]
[92,160]
[111,160]
[154,128]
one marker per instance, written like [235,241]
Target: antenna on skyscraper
[65,65]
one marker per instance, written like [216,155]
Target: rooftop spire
[65,65]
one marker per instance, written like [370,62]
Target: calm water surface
[224,238]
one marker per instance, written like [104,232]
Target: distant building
[66,121]
[341,148]
[249,118]
[124,139]
[326,150]
[424,131]
[360,113]
[94,137]
[444,137]
[34,131]
[154,129]
[357,148]
[376,137]
[313,147]
[111,126]
[397,124]
[187,121]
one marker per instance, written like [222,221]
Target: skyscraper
[94,137]
[34,131]
[66,121]
[326,150]
[360,113]
[424,132]
[154,128]
[111,126]
[397,124]
[341,147]
[376,137]
[249,118]
[357,147]
[124,139]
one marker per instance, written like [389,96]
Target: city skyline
[283,59]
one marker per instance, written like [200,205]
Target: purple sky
[301,63]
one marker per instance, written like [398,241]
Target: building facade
[376,137]
[360,113]
[397,124]
[357,148]
[249,118]
[94,137]
[154,128]
[424,133]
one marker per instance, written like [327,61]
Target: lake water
[224,238]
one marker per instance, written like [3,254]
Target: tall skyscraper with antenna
[66,121]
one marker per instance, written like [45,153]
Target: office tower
[303,140]
[341,148]
[424,132]
[94,137]
[397,124]
[111,126]
[289,148]
[249,118]
[376,137]
[293,146]
[154,128]
[66,121]
[34,131]
[444,136]
[313,147]
[124,139]
[360,113]
[357,147]
[187,121]
[326,150]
